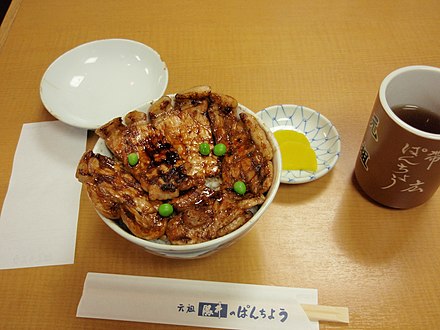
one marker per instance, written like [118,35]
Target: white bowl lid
[100,80]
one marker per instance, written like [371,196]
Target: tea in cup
[399,159]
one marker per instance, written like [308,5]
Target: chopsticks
[326,313]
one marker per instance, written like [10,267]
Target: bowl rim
[219,241]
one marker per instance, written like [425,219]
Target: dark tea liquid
[418,117]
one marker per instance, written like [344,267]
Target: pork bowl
[183,176]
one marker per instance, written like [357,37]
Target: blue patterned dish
[322,135]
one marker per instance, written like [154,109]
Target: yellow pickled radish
[289,135]
[296,153]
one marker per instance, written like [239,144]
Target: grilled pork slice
[261,159]
[249,153]
[170,167]
[160,170]
[116,194]
[186,125]
[205,214]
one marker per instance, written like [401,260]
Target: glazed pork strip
[205,214]
[159,170]
[187,126]
[245,160]
[116,194]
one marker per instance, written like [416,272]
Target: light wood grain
[382,264]
[326,313]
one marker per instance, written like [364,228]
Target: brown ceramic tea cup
[399,158]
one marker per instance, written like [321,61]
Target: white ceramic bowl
[97,81]
[192,251]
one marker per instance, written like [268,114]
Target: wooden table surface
[383,264]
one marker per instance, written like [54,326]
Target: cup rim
[387,108]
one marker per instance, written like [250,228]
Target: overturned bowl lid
[90,84]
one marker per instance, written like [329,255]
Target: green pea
[133,158]
[219,149]
[240,187]
[166,209]
[204,149]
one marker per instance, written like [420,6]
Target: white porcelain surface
[322,135]
[97,81]
[206,248]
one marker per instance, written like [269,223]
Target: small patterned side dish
[322,135]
